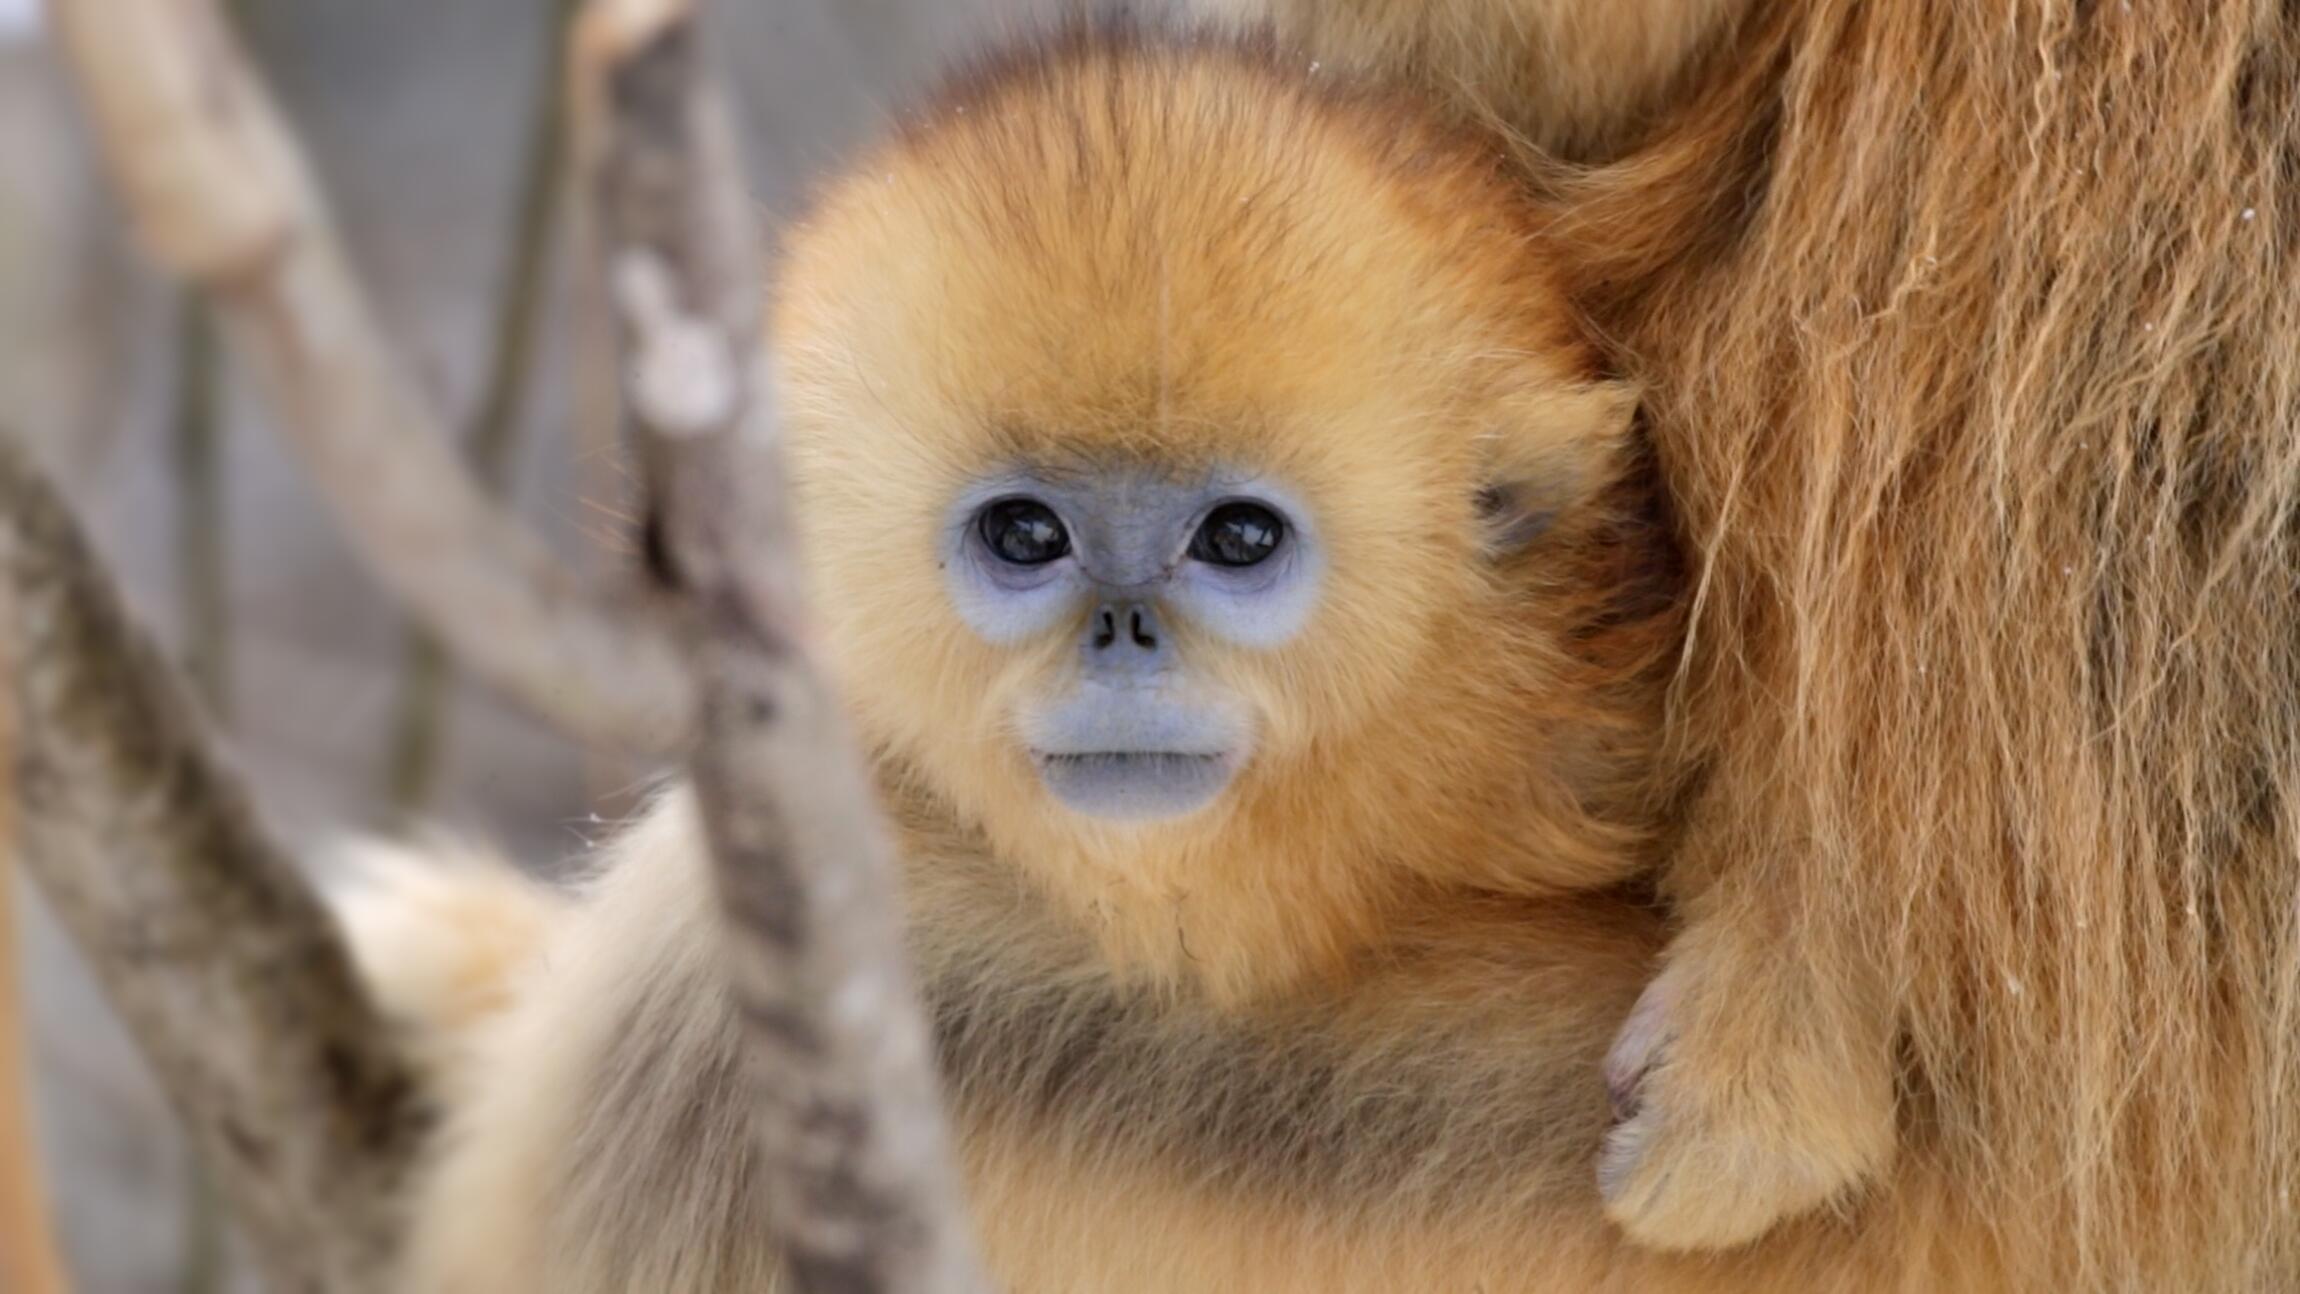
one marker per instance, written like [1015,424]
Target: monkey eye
[1023,532]
[1238,534]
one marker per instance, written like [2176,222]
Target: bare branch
[863,1190]
[223,963]
[202,583]
[196,442]
[413,755]
[863,1193]
[220,196]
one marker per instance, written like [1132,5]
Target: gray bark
[220,196]
[862,1187]
[206,937]
[863,1183]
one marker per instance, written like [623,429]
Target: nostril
[1105,629]
[1140,628]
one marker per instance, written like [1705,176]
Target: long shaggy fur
[1973,336]
[1580,78]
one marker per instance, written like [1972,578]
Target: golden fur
[29,1262]
[1430,1127]
[1190,260]
[1340,1027]
[1581,78]
[1361,1053]
[1973,335]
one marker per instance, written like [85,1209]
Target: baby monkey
[1217,511]
[1244,572]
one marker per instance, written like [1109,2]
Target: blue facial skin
[1128,553]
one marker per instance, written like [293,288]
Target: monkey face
[1119,562]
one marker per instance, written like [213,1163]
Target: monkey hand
[1745,1092]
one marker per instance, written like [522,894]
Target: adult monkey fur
[1219,454]
[1972,332]
[1578,78]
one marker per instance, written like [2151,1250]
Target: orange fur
[1986,718]
[1364,1056]
[1579,78]
[1355,994]
[1189,260]
[1972,330]
[29,1261]
[597,1140]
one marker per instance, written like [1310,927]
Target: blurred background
[424,119]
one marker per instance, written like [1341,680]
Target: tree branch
[219,196]
[418,738]
[225,967]
[863,1192]
[196,436]
[862,1188]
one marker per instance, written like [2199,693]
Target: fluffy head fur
[1974,335]
[1126,253]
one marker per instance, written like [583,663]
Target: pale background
[415,111]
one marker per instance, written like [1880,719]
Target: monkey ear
[1560,446]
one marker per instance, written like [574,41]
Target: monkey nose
[1124,629]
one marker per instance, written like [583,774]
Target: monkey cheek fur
[1135,785]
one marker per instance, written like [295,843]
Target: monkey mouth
[1134,785]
